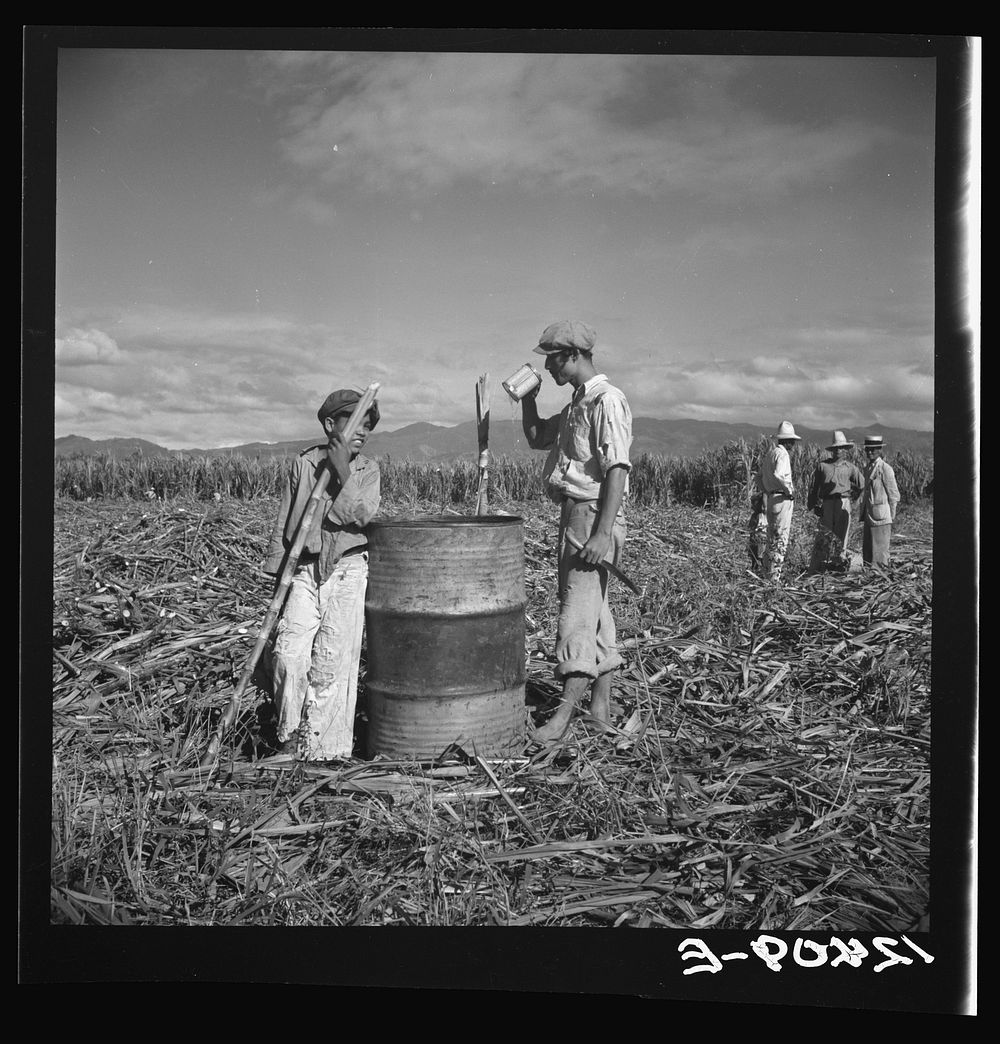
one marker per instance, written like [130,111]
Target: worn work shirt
[835,478]
[589,437]
[775,475]
[338,525]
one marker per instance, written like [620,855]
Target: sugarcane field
[766,765]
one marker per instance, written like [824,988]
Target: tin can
[522,381]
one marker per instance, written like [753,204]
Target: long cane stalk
[483,429]
[312,505]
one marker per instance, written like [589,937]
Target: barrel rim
[433,521]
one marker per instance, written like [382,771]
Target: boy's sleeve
[276,544]
[613,430]
[358,501]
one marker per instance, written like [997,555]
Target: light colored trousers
[586,641]
[779,528]
[875,544]
[316,657]
[834,529]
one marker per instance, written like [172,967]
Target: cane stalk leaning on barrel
[319,547]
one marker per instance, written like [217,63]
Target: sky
[240,232]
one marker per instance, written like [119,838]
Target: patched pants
[779,528]
[585,640]
[316,657]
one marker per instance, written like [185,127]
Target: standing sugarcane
[354,422]
[483,429]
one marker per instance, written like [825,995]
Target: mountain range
[437,444]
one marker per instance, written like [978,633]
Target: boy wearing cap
[586,473]
[318,643]
[774,480]
[836,483]
[878,506]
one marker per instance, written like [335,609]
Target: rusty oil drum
[445,626]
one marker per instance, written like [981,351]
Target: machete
[613,569]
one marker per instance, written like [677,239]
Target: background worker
[836,484]
[878,504]
[586,473]
[318,644]
[774,479]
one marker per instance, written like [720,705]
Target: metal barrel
[445,634]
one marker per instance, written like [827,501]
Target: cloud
[87,348]
[773,366]
[633,123]
[763,390]
[200,380]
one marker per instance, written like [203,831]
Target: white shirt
[776,471]
[589,437]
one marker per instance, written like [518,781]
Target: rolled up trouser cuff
[567,667]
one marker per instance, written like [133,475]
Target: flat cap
[343,401]
[567,333]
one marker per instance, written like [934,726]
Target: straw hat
[874,442]
[840,442]
[786,431]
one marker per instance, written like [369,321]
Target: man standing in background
[775,481]
[836,483]
[878,506]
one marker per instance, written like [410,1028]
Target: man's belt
[313,559]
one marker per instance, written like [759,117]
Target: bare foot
[555,728]
[574,686]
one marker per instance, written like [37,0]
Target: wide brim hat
[840,442]
[786,431]
[343,400]
[565,335]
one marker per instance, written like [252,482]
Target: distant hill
[69,445]
[436,444]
